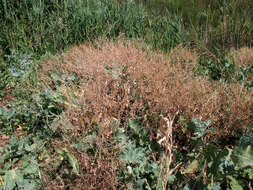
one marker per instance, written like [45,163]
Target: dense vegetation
[219,24]
[111,94]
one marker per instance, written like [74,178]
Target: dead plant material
[184,57]
[3,140]
[6,98]
[167,142]
[151,83]
[122,81]
[243,57]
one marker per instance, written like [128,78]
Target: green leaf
[214,186]
[187,187]
[121,137]
[215,159]
[248,173]
[171,179]
[242,157]
[11,178]
[31,169]
[138,184]
[234,184]
[246,140]
[64,152]
[191,167]
[201,128]
[133,124]
[28,185]
[134,155]
[55,124]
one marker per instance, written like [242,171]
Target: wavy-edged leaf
[234,184]
[201,128]
[12,178]
[242,157]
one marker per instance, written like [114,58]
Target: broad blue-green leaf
[242,157]
[28,185]
[31,169]
[234,184]
[214,186]
[121,137]
[171,179]
[134,155]
[138,185]
[9,185]
[245,141]
[186,187]
[133,124]
[201,128]
[11,178]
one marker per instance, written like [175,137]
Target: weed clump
[121,81]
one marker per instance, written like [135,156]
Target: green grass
[49,26]
[219,24]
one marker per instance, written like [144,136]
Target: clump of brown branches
[120,80]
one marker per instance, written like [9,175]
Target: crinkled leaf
[234,184]
[29,165]
[59,121]
[186,187]
[11,178]
[201,128]
[81,146]
[245,141]
[171,179]
[55,124]
[31,169]
[28,185]
[242,157]
[133,155]
[138,185]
